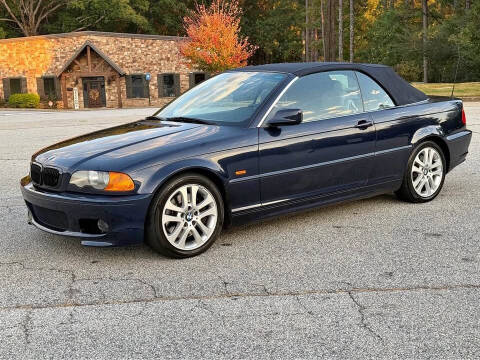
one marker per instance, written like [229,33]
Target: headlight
[96,179]
[102,180]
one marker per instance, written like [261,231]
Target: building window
[168,85]
[199,77]
[137,86]
[15,86]
[49,87]
[196,78]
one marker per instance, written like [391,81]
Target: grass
[462,90]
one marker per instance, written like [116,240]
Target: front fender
[154,177]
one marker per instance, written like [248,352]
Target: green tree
[276,28]
[102,15]
[394,39]
[166,16]
[457,39]
[469,39]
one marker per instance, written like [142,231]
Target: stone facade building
[96,69]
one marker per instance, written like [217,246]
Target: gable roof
[98,51]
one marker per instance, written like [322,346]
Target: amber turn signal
[119,182]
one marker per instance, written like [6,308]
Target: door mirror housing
[285,117]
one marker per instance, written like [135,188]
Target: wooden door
[94,92]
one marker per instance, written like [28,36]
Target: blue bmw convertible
[247,144]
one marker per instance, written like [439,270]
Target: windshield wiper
[152,117]
[188,120]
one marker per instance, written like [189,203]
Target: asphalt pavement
[376,278]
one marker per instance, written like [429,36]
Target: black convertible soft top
[400,90]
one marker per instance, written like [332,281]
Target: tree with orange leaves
[215,43]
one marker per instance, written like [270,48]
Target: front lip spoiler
[87,239]
[32,221]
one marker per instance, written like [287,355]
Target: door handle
[363,124]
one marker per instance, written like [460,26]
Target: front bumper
[77,215]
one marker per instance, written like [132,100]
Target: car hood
[141,144]
[72,153]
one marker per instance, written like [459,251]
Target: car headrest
[337,86]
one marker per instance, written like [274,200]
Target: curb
[73,110]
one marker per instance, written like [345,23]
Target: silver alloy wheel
[189,217]
[427,172]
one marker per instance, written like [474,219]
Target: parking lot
[371,278]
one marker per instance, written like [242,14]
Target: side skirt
[261,212]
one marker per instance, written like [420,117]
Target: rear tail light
[464,118]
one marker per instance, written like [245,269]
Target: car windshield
[229,98]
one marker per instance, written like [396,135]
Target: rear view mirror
[286,117]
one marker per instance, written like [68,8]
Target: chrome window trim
[276,100]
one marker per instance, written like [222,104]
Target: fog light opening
[93,226]
[103,226]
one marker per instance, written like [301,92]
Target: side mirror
[285,117]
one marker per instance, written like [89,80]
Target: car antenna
[456,71]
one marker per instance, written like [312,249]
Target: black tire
[154,232]
[407,191]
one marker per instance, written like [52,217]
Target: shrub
[24,100]
[44,102]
